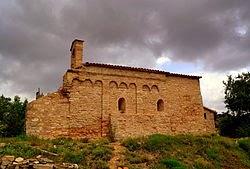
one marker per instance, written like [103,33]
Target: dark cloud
[35,36]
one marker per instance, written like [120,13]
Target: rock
[25,162]
[36,162]
[75,166]
[125,167]
[15,163]
[2,145]
[39,156]
[43,166]
[32,160]
[6,160]
[119,168]
[19,159]
[45,160]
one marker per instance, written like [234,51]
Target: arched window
[160,105]
[122,105]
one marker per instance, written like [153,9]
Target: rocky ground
[11,162]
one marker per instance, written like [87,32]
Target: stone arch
[98,83]
[87,83]
[155,88]
[121,105]
[160,105]
[146,88]
[132,86]
[113,84]
[123,85]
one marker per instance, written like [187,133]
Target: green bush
[173,164]
[73,157]
[131,144]
[102,153]
[245,145]
[212,153]
[19,149]
[159,142]
[135,158]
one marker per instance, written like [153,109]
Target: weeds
[131,144]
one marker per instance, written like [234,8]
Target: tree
[12,116]
[236,121]
[237,94]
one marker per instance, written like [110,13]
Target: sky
[197,37]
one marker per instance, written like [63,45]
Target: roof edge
[140,69]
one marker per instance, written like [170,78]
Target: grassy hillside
[153,152]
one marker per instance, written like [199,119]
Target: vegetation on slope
[153,152]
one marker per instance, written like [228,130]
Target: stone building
[96,100]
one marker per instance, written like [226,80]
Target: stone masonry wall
[88,103]
[47,116]
[210,121]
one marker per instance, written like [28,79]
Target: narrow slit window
[122,105]
[205,115]
[160,105]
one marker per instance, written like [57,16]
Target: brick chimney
[76,53]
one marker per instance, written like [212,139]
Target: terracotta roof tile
[140,69]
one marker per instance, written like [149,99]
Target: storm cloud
[35,36]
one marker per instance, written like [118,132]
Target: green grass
[245,145]
[187,151]
[153,152]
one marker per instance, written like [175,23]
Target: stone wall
[47,116]
[88,102]
[209,116]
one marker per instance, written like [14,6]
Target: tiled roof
[140,70]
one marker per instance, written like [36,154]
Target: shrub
[131,144]
[135,158]
[173,164]
[19,149]
[212,154]
[73,157]
[245,145]
[102,153]
[159,142]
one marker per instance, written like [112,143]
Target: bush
[173,164]
[135,158]
[131,144]
[245,145]
[102,153]
[19,149]
[159,142]
[212,154]
[73,157]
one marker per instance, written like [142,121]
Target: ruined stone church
[97,98]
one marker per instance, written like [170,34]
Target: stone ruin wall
[210,120]
[87,105]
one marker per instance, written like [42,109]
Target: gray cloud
[35,36]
